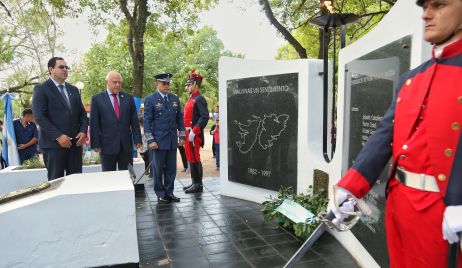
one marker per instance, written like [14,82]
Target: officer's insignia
[175,104]
[159,105]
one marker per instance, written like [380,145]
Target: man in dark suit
[59,112]
[163,118]
[114,125]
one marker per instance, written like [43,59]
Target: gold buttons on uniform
[448,152]
[455,126]
[408,82]
[402,157]
[459,99]
[441,177]
[424,106]
[398,100]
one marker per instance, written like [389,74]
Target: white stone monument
[401,28]
[12,179]
[83,220]
[270,125]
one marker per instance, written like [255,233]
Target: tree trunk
[135,40]
[287,35]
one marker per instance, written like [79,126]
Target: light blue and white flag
[10,147]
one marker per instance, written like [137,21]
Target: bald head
[113,82]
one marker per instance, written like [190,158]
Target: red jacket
[196,114]
[442,80]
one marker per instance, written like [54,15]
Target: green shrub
[94,159]
[33,163]
[315,203]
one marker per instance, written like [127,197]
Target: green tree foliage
[28,38]
[294,16]
[164,52]
[139,15]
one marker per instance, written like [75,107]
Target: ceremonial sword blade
[306,246]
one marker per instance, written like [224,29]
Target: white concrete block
[12,180]
[86,220]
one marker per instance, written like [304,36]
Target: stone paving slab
[210,230]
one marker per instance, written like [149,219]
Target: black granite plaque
[370,81]
[262,130]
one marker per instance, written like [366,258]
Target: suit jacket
[444,118]
[54,116]
[163,121]
[107,131]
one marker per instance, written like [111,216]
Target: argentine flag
[10,147]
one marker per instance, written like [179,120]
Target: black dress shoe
[173,198]
[196,188]
[163,200]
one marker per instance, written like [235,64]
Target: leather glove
[452,224]
[191,136]
[341,211]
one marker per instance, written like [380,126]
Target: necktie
[116,106]
[165,98]
[61,90]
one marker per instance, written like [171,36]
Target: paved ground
[210,230]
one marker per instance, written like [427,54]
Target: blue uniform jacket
[163,121]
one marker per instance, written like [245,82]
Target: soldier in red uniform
[196,116]
[421,133]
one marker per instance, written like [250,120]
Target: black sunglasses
[63,67]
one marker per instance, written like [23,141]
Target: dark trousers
[120,160]
[62,161]
[164,171]
[183,156]
[145,156]
[217,151]
[214,152]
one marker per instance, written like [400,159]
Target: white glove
[191,136]
[452,223]
[341,212]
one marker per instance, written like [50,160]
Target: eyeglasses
[63,67]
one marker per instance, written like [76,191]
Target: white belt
[422,182]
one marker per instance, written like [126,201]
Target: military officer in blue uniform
[163,123]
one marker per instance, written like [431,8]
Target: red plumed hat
[194,77]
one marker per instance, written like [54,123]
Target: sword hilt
[326,217]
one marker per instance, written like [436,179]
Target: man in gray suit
[114,125]
[63,122]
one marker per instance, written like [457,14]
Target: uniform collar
[447,50]
[195,94]
[162,94]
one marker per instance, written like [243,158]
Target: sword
[453,254]
[132,173]
[326,223]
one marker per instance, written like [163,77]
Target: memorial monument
[368,70]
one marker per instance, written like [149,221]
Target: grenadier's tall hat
[166,78]
[420,2]
[194,77]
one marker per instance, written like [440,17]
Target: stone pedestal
[83,220]
[12,180]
